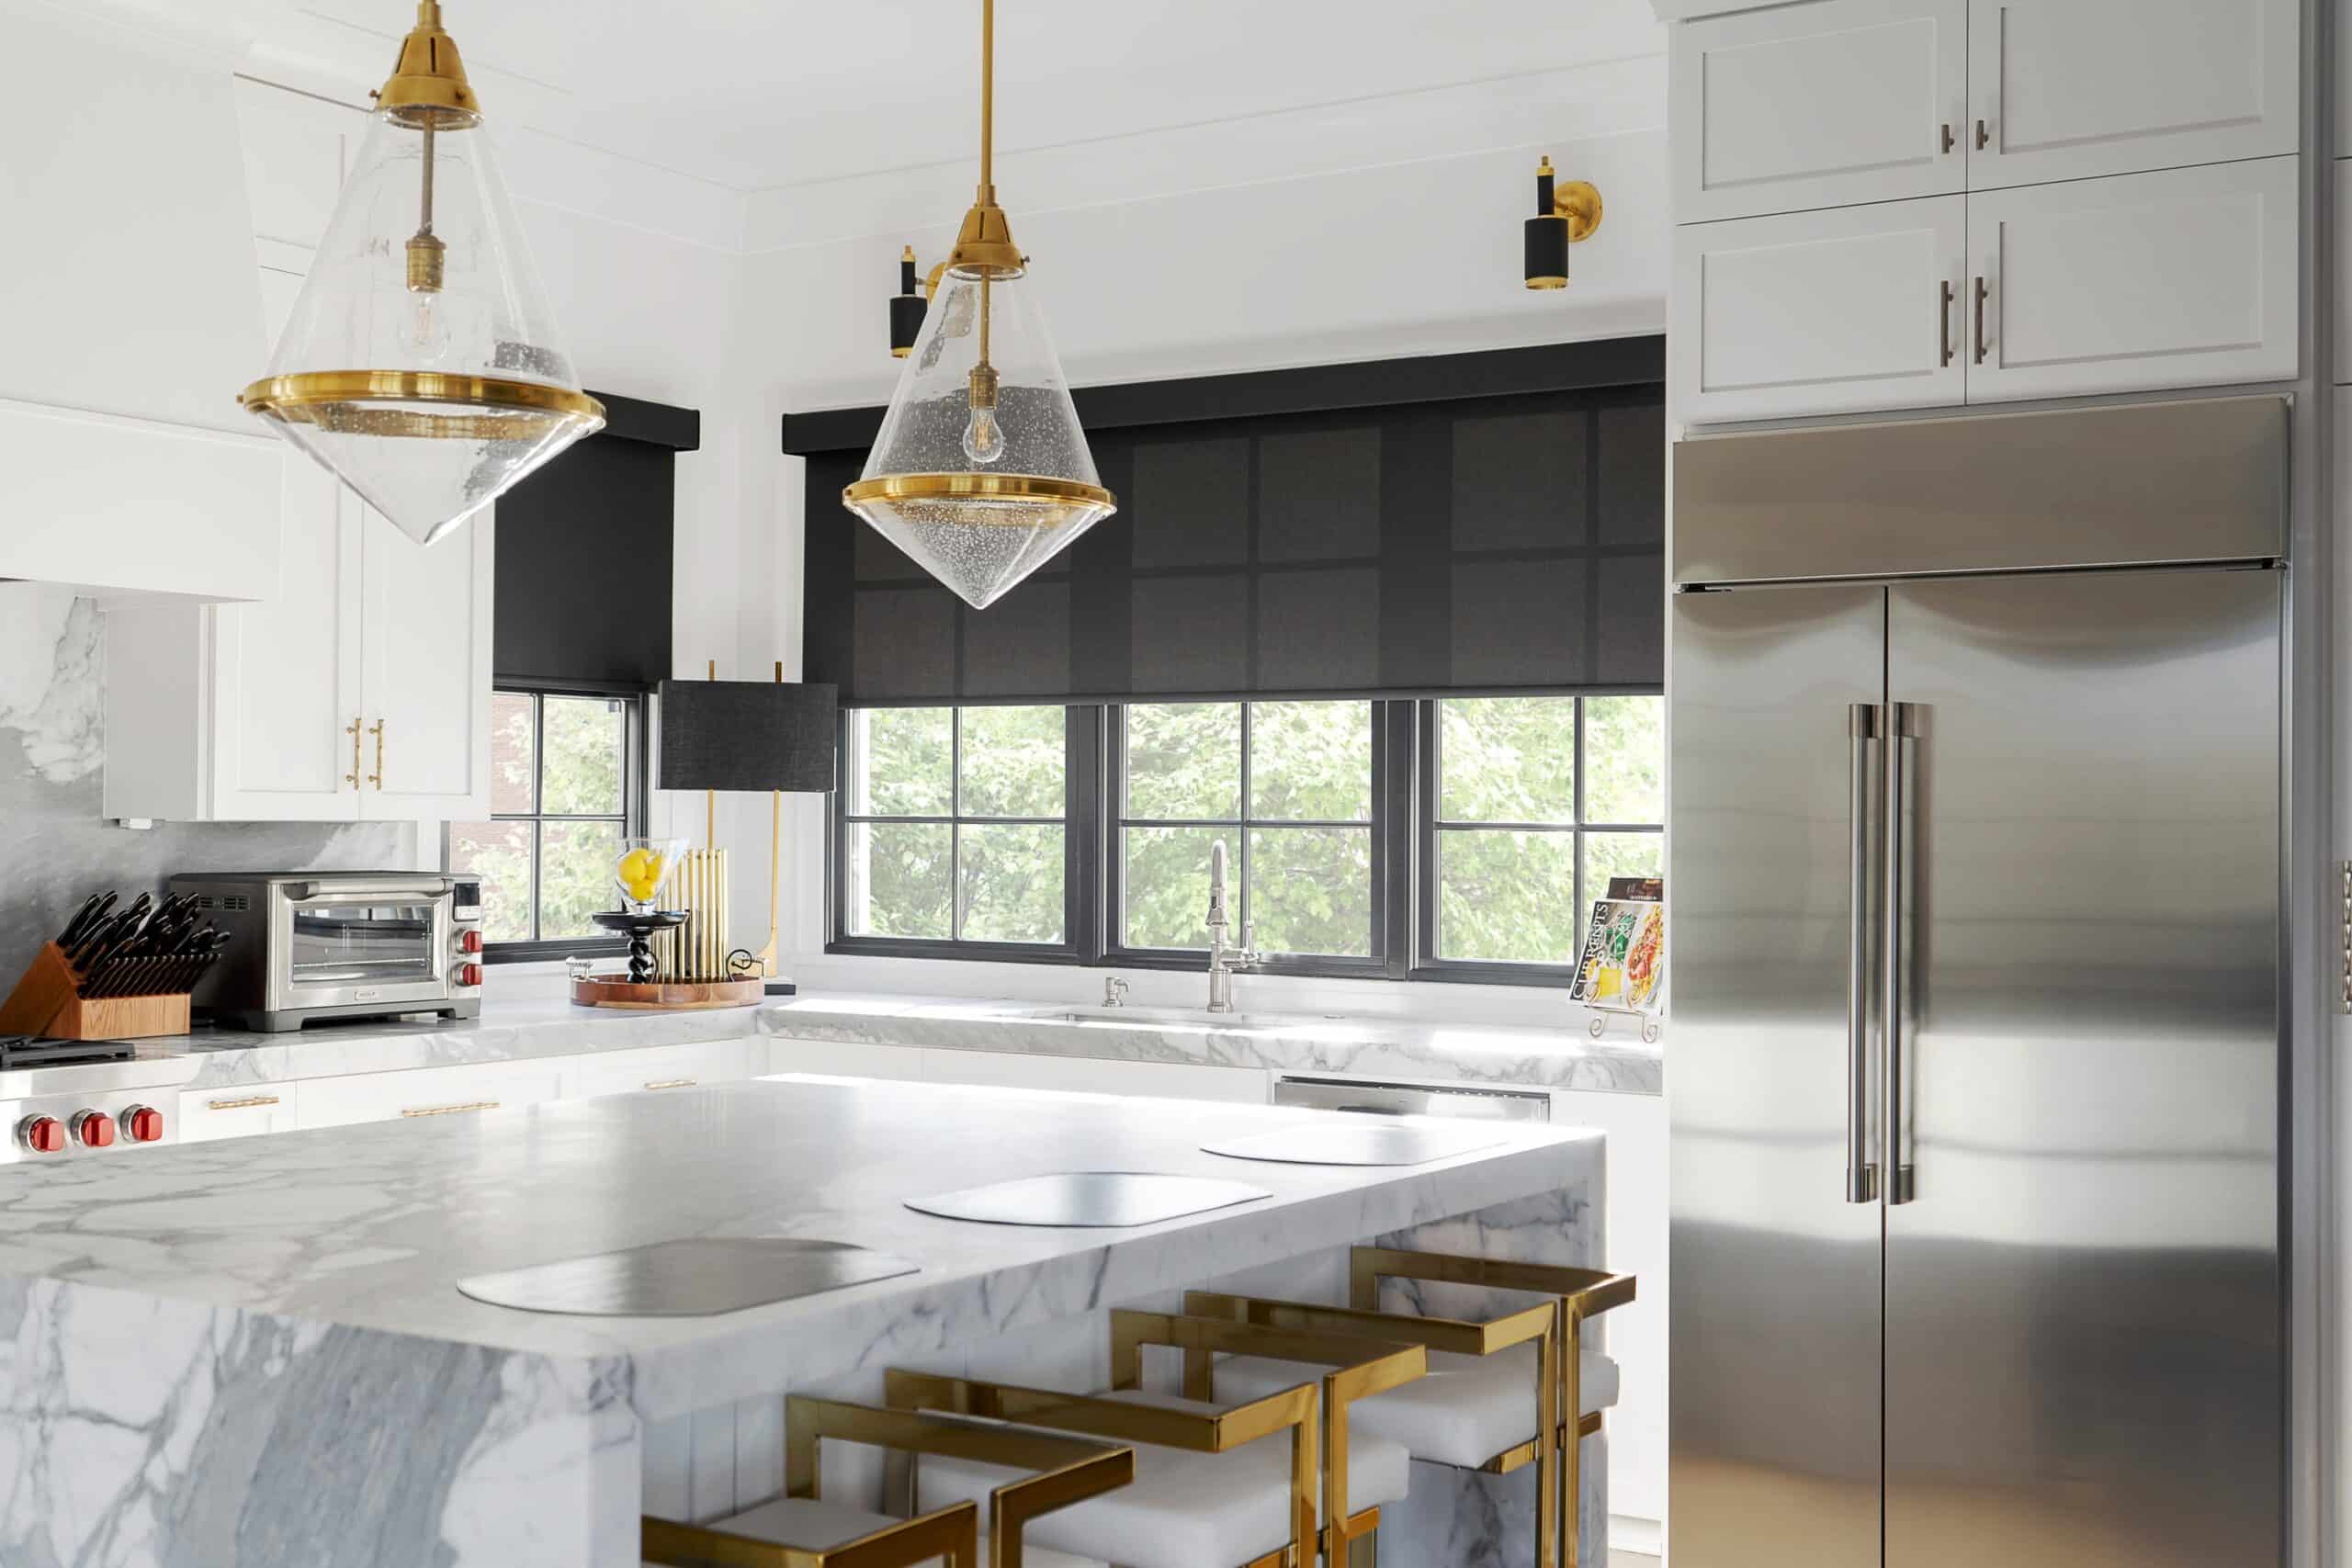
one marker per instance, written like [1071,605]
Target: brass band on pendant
[979,487]
[494,407]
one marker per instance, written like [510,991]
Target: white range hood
[130,315]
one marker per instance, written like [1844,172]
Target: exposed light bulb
[424,328]
[983,436]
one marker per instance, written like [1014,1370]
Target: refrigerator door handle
[1901,725]
[1861,1173]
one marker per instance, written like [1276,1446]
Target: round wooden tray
[668,996]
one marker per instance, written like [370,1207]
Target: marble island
[254,1351]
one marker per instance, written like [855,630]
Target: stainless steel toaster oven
[339,944]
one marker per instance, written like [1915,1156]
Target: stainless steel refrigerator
[1977,1003]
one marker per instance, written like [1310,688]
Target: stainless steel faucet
[1115,991]
[1223,957]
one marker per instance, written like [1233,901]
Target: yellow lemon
[641,888]
[633,864]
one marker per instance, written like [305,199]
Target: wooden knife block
[49,1001]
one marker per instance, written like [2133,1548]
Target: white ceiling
[757,94]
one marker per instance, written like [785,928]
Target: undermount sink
[1150,1017]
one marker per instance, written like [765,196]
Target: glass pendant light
[421,364]
[981,471]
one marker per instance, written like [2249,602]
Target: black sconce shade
[748,735]
[906,308]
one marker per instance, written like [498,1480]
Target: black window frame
[636,771]
[1404,831]
[1081,739]
[1429,824]
[1375,964]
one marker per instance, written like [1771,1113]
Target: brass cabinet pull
[1946,136]
[1943,322]
[1984,137]
[352,778]
[247,1104]
[670,1083]
[1980,319]
[451,1110]
[377,778]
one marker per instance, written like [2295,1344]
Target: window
[1537,803]
[567,784]
[1444,839]
[954,826]
[1287,787]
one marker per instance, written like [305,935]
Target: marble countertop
[1567,1058]
[370,1227]
[519,1027]
[508,1029]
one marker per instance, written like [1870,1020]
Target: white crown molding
[1582,103]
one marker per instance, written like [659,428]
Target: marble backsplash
[56,849]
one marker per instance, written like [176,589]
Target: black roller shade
[584,555]
[1473,540]
[748,735]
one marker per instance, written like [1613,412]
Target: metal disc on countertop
[691,1276]
[1368,1142]
[1107,1198]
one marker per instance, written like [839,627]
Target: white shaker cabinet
[2073,89]
[1818,105]
[426,669]
[2183,278]
[1819,312]
[360,694]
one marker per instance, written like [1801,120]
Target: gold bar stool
[1498,1388]
[1206,1496]
[1358,1477]
[799,1529]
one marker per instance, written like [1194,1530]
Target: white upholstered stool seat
[1467,1410]
[1185,1510]
[815,1525]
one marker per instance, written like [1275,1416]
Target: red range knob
[94,1128]
[43,1134]
[144,1124]
[469,973]
[469,942]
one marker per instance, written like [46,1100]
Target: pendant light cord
[424,215]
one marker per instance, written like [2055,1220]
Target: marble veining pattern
[252,1351]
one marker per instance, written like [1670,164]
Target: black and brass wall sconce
[906,306]
[1563,216]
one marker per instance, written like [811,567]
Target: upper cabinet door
[1819,312]
[2069,89]
[425,681]
[2182,278]
[1819,105]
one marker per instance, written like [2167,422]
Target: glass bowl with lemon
[641,870]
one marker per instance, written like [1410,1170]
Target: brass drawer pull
[670,1083]
[352,778]
[1984,137]
[249,1103]
[1980,321]
[1943,322]
[1946,136]
[376,778]
[451,1110]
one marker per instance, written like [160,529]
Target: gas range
[56,1126]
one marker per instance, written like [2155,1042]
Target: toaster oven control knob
[142,1125]
[469,942]
[43,1134]
[94,1128]
[469,973]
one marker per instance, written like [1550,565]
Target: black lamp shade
[748,735]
